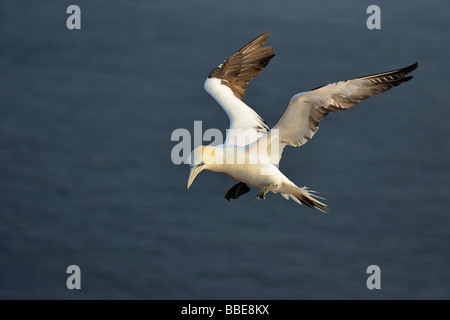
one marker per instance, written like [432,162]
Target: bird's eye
[201,164]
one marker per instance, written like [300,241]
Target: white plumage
[251,152]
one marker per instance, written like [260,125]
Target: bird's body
[251,152]
[245,165]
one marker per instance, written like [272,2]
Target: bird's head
[199,159]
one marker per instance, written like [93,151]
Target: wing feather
[227,84]
[301,119]
[238,70]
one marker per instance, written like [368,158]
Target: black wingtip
[405,79]
[399,74]
[412,67]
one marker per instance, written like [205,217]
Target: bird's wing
[301,119]
[227,84]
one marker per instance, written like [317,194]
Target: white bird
[251,152]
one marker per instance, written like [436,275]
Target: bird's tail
[307,197]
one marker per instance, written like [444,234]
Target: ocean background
[86,176]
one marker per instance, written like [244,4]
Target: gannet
[251,152]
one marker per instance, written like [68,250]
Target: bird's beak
[194,172]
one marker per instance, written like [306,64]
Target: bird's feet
[262,193]
[236,191]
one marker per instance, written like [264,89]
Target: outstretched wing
[301,119]
[227,84]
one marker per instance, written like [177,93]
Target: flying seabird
[251,152]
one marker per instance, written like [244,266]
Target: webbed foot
[262,193]
[236,191]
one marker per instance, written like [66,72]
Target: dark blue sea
[86,176]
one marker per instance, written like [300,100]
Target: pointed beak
[194,172]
